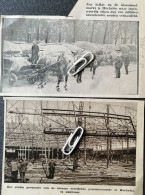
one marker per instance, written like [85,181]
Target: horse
[98,59]
[59,67]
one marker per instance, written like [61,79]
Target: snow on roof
[74,48]
[11,47]
[104,47]
[54,48]
[88,46]
[25,46]
[52,51]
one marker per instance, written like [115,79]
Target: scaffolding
[44,126]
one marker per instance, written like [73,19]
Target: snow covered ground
[104,83]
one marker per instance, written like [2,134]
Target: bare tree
[125,33]
[117,31]
[74,25]
[47,35]
[93,26]
[105,33]
[60,31]
[38,31]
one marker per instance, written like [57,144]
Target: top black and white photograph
[60,56]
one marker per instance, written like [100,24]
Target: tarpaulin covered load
[105,48]
[10,48]
[50,53]
[89,46]
[14,48]
[18,62]
[58,48]
[73,48]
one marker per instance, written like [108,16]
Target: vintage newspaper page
[121,11]
[107,160]
[38,53]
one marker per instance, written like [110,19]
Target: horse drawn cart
[21,69]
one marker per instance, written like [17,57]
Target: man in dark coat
[126,61]
[51,169]
[14,171]
[22,169]
[79,74]
[61,67]
[118,64]
[35,50]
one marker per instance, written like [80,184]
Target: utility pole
[25,151]
[110,140]
[127,156]
[107,124]
[57,148]
[45,153]
[74,113]
[81,106]
[122,147]
[85,151]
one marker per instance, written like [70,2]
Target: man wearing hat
[22,169]
[35,50]
[118,63]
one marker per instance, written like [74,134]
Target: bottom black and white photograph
[70,142]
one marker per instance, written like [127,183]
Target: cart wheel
[57,88]
[31,80]
[65,87]
[13,79]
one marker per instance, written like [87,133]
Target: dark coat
[126,60]
[118,62]
[22,167]
[52,165]
[35,50]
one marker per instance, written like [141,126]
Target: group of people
[18,167]
[117,62]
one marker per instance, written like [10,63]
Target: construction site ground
[93,173]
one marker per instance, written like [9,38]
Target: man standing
[118,64]
[35,50]
[51,169]
[75,163]
[79,74]
[62,66]
[126,60]
[22,169]
[14,171]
